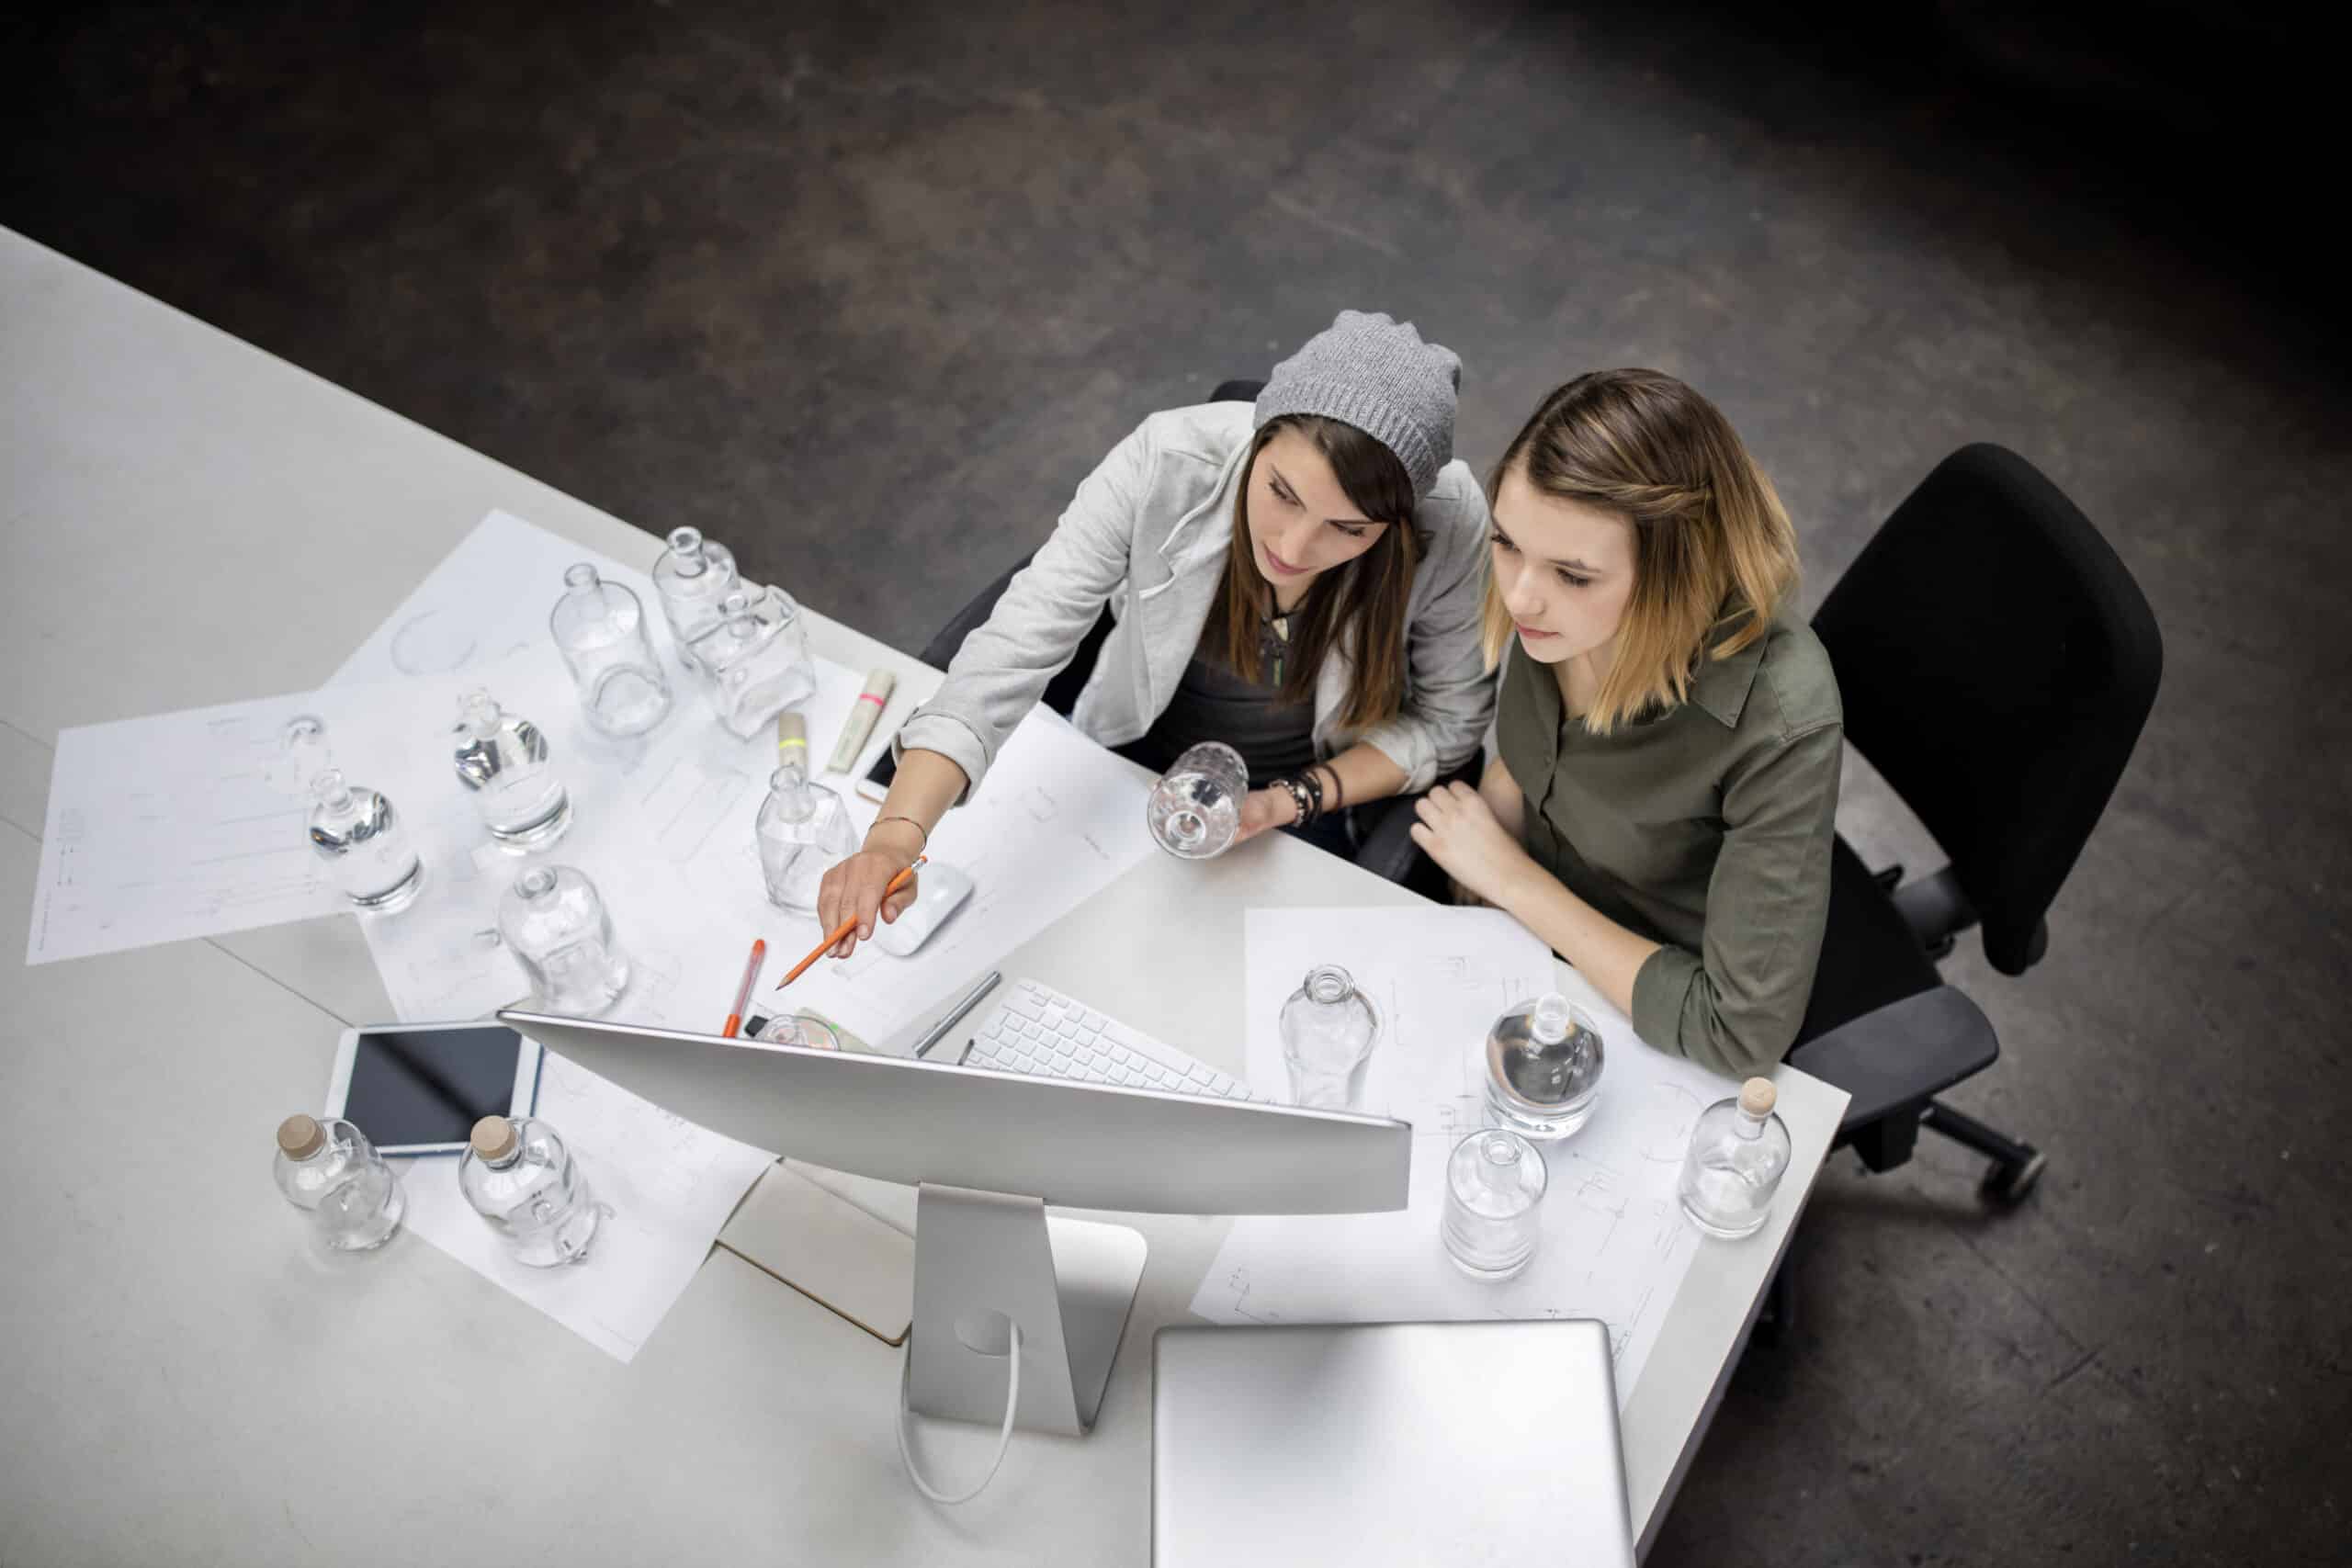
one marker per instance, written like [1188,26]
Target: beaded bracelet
[1300,797]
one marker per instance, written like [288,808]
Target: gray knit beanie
[1369,371]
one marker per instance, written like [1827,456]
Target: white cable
[1003,1439]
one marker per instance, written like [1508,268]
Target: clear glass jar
[502,759]
[690,580]
[804,831]
[355,830]
[330,1171]
[518,1176]
[1739,1151]
[1495,1181]
[756,659]
[555,925]
[799,1029]
[1196,808]
[599,627]
[1544,1060]
[1329,1029]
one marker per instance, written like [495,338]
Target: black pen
[965,1004]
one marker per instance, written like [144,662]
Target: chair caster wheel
[2009,1182]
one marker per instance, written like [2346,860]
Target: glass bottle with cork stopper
[330,1171]
[519,1176]
[1739,1150]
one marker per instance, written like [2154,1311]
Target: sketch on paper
[1615,1245]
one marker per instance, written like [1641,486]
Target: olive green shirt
[1705,827]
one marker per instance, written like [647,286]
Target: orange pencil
[744,992]
[847,926]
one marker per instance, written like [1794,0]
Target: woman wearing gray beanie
[1300,580]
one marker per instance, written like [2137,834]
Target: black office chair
[1997,663]
[1385,846]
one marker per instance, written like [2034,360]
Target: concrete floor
[866,295]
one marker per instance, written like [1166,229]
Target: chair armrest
[1901,1054]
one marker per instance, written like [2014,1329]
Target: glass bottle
[304,751]
[1494,1189]
[1328,1030]
[599,627]
[554,923]
[1196,808]
[1739,1150]
[331,1170]
[355,830]
[692,575]
[502,761]
[519,1175]
[804,828]
[1544,1060]
[756,659]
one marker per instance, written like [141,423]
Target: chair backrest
[1997,663]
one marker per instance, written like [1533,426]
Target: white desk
[190,521]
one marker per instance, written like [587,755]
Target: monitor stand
[982,1257]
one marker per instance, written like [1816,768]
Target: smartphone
[418,1089]
[876,785]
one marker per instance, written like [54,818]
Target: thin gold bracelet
[918,826]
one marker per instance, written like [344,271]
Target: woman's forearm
[1602,951]
[1364,772]
[926,785]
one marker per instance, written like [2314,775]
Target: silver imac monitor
[987,1151]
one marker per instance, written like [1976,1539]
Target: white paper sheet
[191,824]
[669,1186]
[487,600]
[664,825]
[1614,1244]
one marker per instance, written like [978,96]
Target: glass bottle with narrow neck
[1544,1061]
[502,760]
[691,579]
[1328,1028]
[804,828]
[330,1171]
[599,627]
[756,659]
[1739,1151]
[519,1176]
[554,923]
[355,830]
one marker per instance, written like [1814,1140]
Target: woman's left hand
[1459,830]
[1264,808]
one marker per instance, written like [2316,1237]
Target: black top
[1275,737]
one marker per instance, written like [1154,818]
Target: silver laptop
[1379,1443]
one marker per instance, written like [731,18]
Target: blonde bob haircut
[1715,556]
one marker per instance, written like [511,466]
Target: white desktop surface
[190,521]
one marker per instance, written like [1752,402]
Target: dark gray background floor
[865,294]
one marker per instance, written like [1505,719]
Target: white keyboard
[1040,1031]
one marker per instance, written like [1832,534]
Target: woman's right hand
[854,889]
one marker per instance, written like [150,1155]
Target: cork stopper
[1756,1097]
[493,1137]
[299,1137]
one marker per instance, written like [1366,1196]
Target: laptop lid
[1372,1444]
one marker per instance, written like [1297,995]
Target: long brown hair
[1364,600]
[1715,554]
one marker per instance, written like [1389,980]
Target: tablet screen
[430,1085]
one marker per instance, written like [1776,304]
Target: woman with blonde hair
[1662,800]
